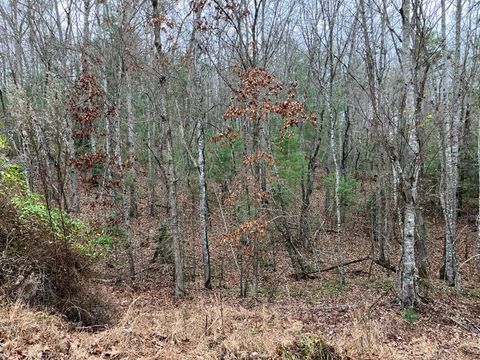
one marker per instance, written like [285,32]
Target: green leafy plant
[32,209]
[11,176]
[4,143]
[32,206]
[410,315]
[95,244]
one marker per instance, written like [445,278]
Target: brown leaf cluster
[85,104]
[229,134]
[257,157]
[260,94]
[254,228]
[88,160]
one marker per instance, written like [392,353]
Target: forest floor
[289,319]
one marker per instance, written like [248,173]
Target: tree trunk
[171,175]
[421,247]
[203,204]
[132,181]
[408,291]
[378,225]
[152,173]
[333,152]
[75,205]
[452,113]
[126,222]
[307,189]
[121,176]
[478,218]
[197,104]
[172,201]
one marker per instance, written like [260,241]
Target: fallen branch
[344,264]
[340,307]
[310,273]
[386,265]
[460,324]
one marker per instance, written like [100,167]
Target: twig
[460,324]
[371,307]
[468,260]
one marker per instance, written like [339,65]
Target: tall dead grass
[211,329]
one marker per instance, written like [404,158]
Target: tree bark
[197,100]
[152,173]
[203,205]
[132,181]
[333,151]
[478,218]
[171,174]
[421,247]
[408,291]
[451,112]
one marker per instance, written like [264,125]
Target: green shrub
[33,210]
[348,190]
[52,272]
[32,207]
[95,243]
[290,161]
[79,234]
[4,144]
[11,176]
[410,315]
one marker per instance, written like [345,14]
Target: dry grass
[210,326]
[188,331]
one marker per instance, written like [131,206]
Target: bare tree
[158,17]
[197,104]
[452,113]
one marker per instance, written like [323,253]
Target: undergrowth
[309,348]
[45,254]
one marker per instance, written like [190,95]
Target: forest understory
[306,319]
